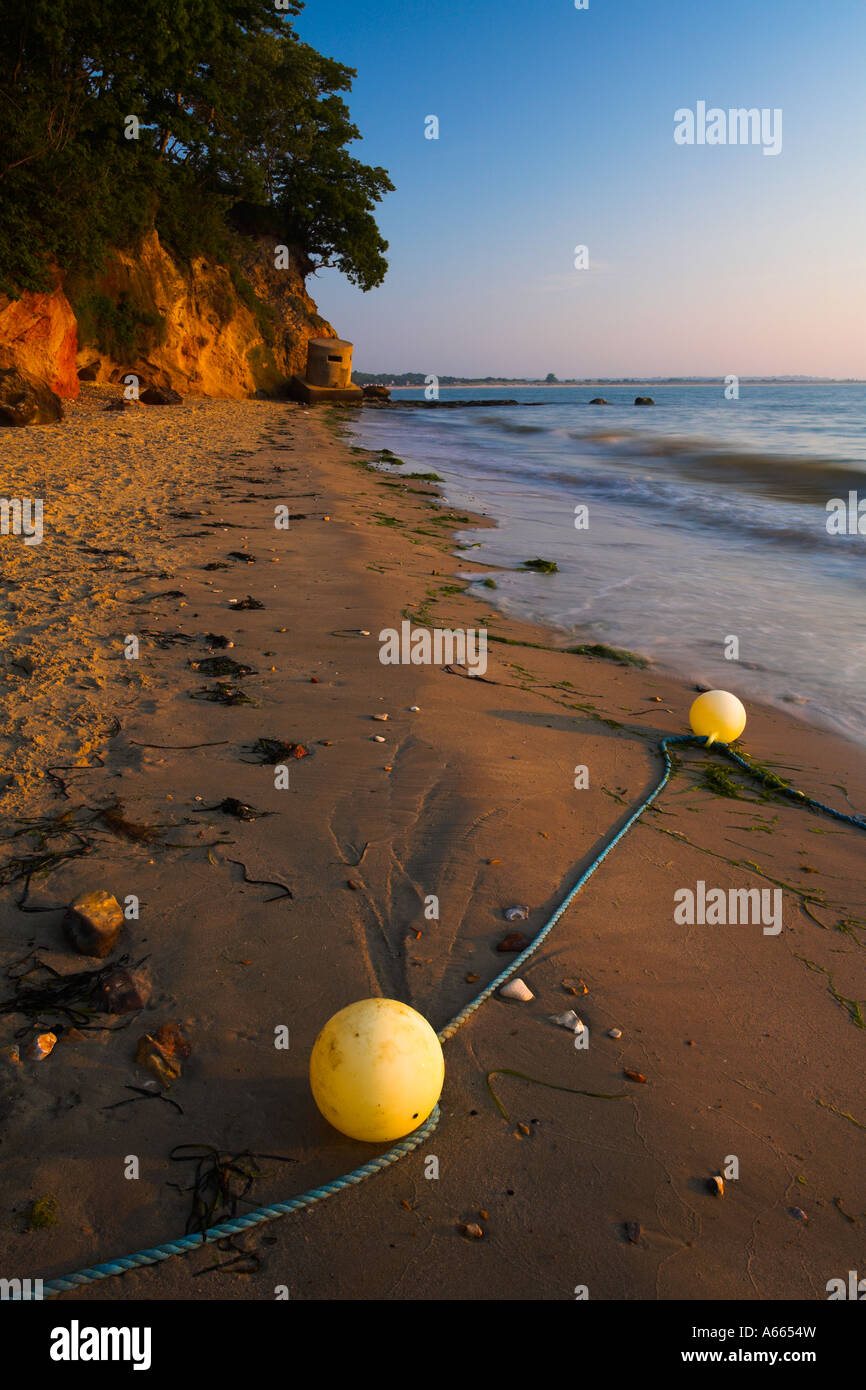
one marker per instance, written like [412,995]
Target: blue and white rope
[412,1141]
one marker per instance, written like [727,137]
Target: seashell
[516,914]
[414,709]
[378,738]
[716,1185]
[614,1032]
[568,1020]
[516,989]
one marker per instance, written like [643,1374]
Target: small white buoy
[614,1032]
[568,1020]
[516,989]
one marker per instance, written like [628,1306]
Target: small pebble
[716,1186]
[414,709]
[378,738]
[614,1032]
[42,1046]
[471,1230]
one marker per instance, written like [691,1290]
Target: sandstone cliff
[203,328]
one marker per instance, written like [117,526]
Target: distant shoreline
[475,385]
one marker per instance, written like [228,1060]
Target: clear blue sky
[556,129]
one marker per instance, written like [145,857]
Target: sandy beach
[749,1045]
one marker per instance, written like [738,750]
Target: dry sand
[751,1045]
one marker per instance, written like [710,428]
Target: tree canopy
[229,108]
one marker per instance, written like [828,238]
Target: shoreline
[746,1050]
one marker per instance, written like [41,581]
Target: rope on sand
[406,1146]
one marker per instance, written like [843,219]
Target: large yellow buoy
[376,1070]
[717,716]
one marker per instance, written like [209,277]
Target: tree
[231,108]
[550,379]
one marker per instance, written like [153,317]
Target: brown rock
[26,401]
[93,923]
[376,393]
[172,1040]
[161,1053]
[161,395]
[471,1230]
[121,993]
[514,941]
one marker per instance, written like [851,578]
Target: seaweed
[618,654]
[113,819]
[507,1071]
[75,998]
[221,694]
[167,639]
[271,751]
[541,566]
[264,882]
[222,666]
[239,604]
[43,1213]
[220,1184]
[230,806]
[719,780]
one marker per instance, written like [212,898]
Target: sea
[718,537]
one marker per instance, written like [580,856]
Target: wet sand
[751,1045]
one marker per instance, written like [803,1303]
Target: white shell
[516,989]
[614,1032]
[378,738]
[414,709]
[380,716]
[516,914]
[568,1020]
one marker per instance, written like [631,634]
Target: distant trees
[115,118]
[550,379]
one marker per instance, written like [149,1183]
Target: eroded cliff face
[200,328]
[39,337]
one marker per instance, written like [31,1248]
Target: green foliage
[119,328]
[232,109]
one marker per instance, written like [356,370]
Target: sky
[556,130]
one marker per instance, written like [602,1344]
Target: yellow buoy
[717,715]
[376,1070]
